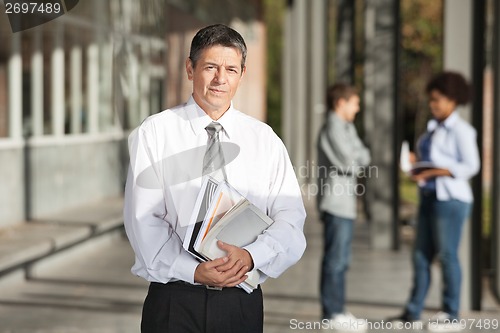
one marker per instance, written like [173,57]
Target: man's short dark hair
[217,34]
[339,91]
[451,84]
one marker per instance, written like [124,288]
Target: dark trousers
[179,307]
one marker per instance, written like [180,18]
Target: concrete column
[287,74]
[76,89]
[297,90]
[4,105]
[458,36]
[379,118]
[317,78]
[15,84]
[102,117]
[57,83]
[93,88]
[133,90]
[37,84]
[106,88]
[120,119]
[458,57]
[302,91]
[344,50]
[144,81]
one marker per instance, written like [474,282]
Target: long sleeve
[159,253]
[453,146]
[467,164]
[340,143]
[283,243]
[361,152]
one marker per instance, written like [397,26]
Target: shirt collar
[199,119]
[447,123]
[333,116]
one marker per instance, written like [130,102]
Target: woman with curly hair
[449,145]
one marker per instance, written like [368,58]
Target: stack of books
[221,213]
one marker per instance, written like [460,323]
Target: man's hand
[235,254]
[228,271]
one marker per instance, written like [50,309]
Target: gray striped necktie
[213,162]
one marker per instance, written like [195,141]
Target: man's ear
[340,103]
[189,69]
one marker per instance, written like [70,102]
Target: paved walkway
[378,284]
[92,290]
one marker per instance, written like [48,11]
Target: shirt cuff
[184,267]
[261,254]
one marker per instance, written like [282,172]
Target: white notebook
[240,226]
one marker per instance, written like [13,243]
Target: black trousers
[179,307]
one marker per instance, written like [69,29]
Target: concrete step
[25,244]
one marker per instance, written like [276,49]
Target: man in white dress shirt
[165,176]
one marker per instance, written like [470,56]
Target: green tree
[421,57]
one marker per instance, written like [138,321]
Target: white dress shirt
[164,179]
[454,147]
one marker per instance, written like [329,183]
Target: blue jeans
[439,230]
[336,259]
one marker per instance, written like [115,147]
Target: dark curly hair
[453,85]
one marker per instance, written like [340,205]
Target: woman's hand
[430,173]
[412,157]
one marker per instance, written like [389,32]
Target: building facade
[73,88]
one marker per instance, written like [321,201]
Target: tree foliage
[421,57]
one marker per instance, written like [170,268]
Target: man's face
[216,77]
[349,108]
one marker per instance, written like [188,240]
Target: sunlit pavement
[93,291]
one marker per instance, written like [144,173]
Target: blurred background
[73,88]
